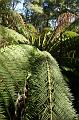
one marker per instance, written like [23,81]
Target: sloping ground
[74,26]
[9,36]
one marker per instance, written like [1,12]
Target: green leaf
[65,50]
[9,37]
[74,26]
[70,34]
[48,95]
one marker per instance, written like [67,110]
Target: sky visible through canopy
[19,6]
[52,22]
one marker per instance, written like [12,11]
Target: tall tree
[48,9]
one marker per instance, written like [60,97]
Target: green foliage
[42,41]
[4,4]
[14,20]
[74,26]
[48,94]
[33,34]
[8,4]
[31,28]
[9,37]
[36,8]
[65,50]
[70,34]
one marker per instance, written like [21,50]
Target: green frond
[65,50]
[3,109]
[14,21]
[7,105]
[74,26]
[42,41]
[48,94]
[36,8]
[9,36]
[70,34]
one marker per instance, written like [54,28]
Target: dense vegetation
[39,66]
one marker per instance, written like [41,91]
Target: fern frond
[3,109]
[66,50]
[74,26]
[48,94]
[9,36]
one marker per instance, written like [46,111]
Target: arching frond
[9,36]
[48,95]
[66,49]
[74,26]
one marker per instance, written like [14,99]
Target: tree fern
[65,50]
[9,36]
[48,95]
[74,26]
